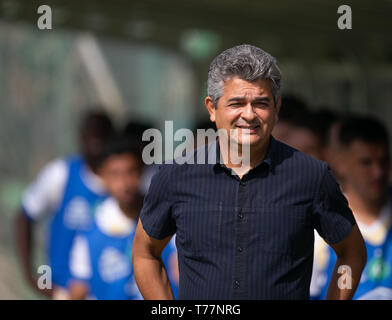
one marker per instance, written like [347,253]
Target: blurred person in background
[66,190]
[298,127]
[364,165]
[332,149]
[101,257]
[291,112]
[305,136]
[134,130]
[324,120]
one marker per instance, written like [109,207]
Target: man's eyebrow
[262,99]
[244,98]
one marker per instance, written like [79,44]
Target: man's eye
[237,104]
[261,105]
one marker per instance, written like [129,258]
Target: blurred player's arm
[24,236]
[150,273]
[351,254]
[78,290]
[40,198]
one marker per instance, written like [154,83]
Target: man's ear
[210,107]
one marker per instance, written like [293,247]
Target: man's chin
[251,140]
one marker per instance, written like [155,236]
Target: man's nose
[248,112]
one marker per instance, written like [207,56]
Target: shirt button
[242,183]
[237,284]
[239,249]
[240,215]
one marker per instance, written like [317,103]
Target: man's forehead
[240,87]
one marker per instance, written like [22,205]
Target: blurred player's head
[133,131]
[120,167]
[292,110]
[305,136]
[365,157]
[325,123]
[298,127]
[95,129]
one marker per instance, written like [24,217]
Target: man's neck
[257,155]
[365,211]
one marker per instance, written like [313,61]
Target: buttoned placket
[240,240]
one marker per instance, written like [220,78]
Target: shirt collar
[268,159]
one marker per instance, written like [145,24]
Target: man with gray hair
[249,233]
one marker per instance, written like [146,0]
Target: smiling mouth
[249,130]
[249,127]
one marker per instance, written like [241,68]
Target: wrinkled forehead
[247,89]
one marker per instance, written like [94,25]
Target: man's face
[246,107]
[365,169]
[121,175]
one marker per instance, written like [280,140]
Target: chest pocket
[285,230]
[200,228]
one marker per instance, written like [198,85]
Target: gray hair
[246,62]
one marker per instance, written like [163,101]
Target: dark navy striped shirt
[249,238]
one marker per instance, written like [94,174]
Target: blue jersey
[109,251]
[376,279]
[73,214]
[112,273]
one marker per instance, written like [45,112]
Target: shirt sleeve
[44,193]
[156,214]
[80,265]
[332,217]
